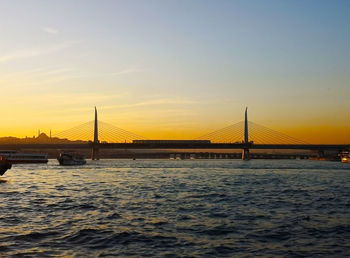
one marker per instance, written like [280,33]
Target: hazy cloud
[126,71]
[33,52]
[121,72]
[49,30]
[154,102]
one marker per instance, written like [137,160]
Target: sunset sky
[176,69]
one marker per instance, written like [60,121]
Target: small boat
[69,158]
[345,157]
[4,166]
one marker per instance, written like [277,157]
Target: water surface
[183,208]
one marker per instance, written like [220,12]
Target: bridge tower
[95,143]
[245,153]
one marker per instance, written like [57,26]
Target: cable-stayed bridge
[231,134]
[245,135]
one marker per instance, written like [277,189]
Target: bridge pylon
[95,144]
[245,152]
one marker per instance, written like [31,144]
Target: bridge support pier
[95,153]
[95,150]
[321,154]
[245,154]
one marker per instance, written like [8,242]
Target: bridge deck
[338,147]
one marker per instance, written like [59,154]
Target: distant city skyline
[176,69]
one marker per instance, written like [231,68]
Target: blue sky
[193,65]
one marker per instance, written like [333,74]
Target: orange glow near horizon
[309,134]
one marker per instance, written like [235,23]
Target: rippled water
[182,208]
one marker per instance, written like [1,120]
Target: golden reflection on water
[2,181]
